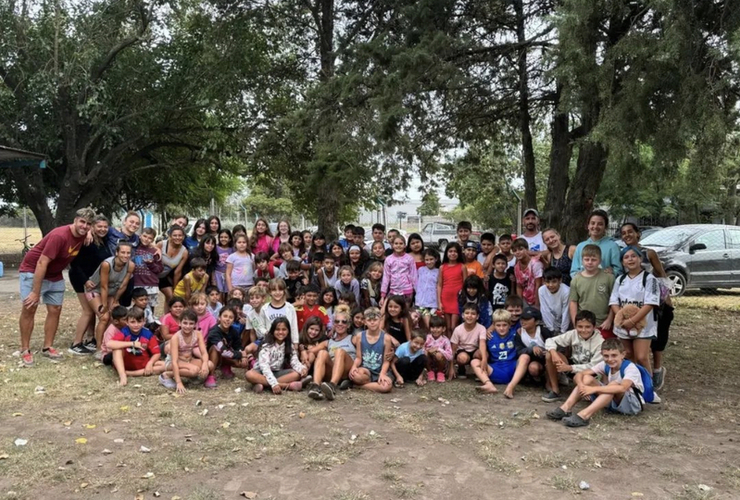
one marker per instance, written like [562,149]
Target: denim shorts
[52,292]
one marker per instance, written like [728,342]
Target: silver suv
[705,256]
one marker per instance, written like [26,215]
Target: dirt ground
[85,435]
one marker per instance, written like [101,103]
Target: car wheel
[678,282]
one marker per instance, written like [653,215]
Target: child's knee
[535,369]
[463,358]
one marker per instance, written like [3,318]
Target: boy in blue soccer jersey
[499,360]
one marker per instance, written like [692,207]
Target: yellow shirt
[195,285]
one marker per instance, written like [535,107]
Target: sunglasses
[341,322]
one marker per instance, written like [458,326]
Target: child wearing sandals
[438,350]
[410,360]
[501,351]
[371,369]
[312,341]
[277,363]
[180,361]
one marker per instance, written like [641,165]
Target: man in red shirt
[41,279]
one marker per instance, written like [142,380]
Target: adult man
[532,232]
[41,279]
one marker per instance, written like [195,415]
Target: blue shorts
[52,292]
[503,372]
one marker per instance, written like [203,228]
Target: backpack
[647,380]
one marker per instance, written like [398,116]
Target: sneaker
[314,392]
[258,388]
[295,386]
[306,381]
[51,353]
[656,400]
[461,373]
[98,355]
[551,397]
[329,390]
[90,345]
[79,350]
[441,377]
[659,379]
[345,384]
[557,414]
[167,382]
[431,377]
[210,382]
[27,358]
[226,372]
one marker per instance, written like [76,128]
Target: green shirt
[591,293]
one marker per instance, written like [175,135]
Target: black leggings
[665,318]
[410,370]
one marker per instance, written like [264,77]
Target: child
[464,228]
[264,267]
[118,321]
[140,299]
[195,281]
[205,321]
[530,349]
[370,285]
[374,352]
[240,265]
[294,280]
[257,324]
[514,306]
[501,352]
[554,301]
[598,222]
[236,293]
[148,265]
[328,300]
[473,292]
[347,299]
[410,360]
[308,307]
[348,283]
[591,289]
[504,246]
[399,272]
[312,340]
[378,233]
[135,349]
[317,262]
[468,340]
[337,359]
[273,359]
[328,275]
[286,254]
[180,361]
[438,349]
[415,248]
[224,249]
[358,321]
[485,257]
[426,287]
[214,304]
[584,345]
[499,282]
[261,240]
[377,252]
[638,288]
[171,321]
[622,392]
[527,273]
[224,347]
[280,308]
[396,320]
[452,274]
[472,266]
[357,260]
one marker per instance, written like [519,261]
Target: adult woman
[174,257]
[282,236]
[261,240]
[337,360]
[200,228]
[214,225]
[558,254]
[81,268]
[651,263]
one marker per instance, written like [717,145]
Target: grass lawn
[85,435]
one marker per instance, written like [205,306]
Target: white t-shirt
[536,244]
[630,373]
[630,291]
[286,311]
[554,308]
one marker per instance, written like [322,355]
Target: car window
[714,240]
[445,227]
[668,237]
[427,228]
[733,239]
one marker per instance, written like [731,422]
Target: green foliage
[271,206]
[430,205]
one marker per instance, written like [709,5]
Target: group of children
[380,315]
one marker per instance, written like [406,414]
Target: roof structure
[11,157]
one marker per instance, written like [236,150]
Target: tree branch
[100,69]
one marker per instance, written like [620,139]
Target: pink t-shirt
[109,333]
[468,340]
[263,244]
[205,323]
[526,278]
[171,323]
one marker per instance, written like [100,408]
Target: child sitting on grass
[224,347]
[118,321]
[180,361]
[410,360]
[500,349]
[277,362]
[468,340]
[530,347]
[584,346]
[622,392]
[135,349]
[312,341]
[438,349]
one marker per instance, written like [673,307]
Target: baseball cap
[533,211]
[471,244]
[532,313]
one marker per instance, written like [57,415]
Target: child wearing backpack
[627,386]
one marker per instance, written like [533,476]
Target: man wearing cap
[41,279]
[532,232]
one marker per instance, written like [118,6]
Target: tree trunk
[592,159]
[561,150]
[30,186]
[528,165]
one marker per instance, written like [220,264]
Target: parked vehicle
[439,234]
[705,256]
